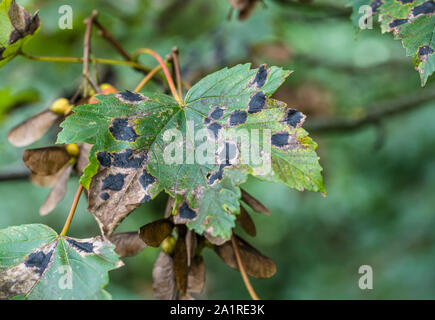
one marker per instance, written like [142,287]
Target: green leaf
[37,263]
[17,26]
[412,22]
[131,135]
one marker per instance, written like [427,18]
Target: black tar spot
[217,113]
[425,8]
[114,182]
[397,22]
[122,131]
[238,117]
[425,50]
[83,246]
[105,196]
[280,139]
[406,1]
[146,179]
[215,127]
[376,5]
[185,212]
[207,120]
[126,160]
[2,49]
[293,118]
[39,260]
[260,76]
[257,103]
[131,97]
[218,175]
[104,158]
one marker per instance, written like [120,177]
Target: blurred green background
[380,208]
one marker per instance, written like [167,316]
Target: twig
[108,36]
[242,269]
[87,48]
[176,64]
[72,211]
[17,175]
[147,78]
[375,113]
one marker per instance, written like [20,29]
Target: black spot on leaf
[207,120]
[215,127]
[105,196]
[397,22]
[146,179]
[121,130]
[280,139]
[294,118]
[218,175]
[104,158]
[257,102]
[39,260]
[238,117]
[114,182]
[131,97]
[185,212]
[426,8]
[82,246]
[406,1]
[260,77]
[217,113]
[423,51]
[127,160]
[376,5]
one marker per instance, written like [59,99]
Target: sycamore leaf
[17,26]
[37,263]
[412,22]
[146,143]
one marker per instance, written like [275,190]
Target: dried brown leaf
[23,22]
[256,264]
[246,222]
[57,192]
[164,285]
[121,185]
[46,161]
[128,244]
[180,265]
[155,232]
[256,205]
[32,129]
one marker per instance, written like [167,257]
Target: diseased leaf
[412,22]
[32,129]
[46,161]
[256,264]
[37,263]
[17,26]
[129,131]
[127,244]
[246,222]
[57,192]
[164,284]
[155,232]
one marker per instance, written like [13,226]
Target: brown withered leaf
[155,232]
[180,265]
[256,264]
[83,158]
[32,129]
[57,192]
[196,276]
[164,285]
[254,203]
[128,244]
[191,244]
[23,22]
[246,222]
[121,185]
[46,161]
